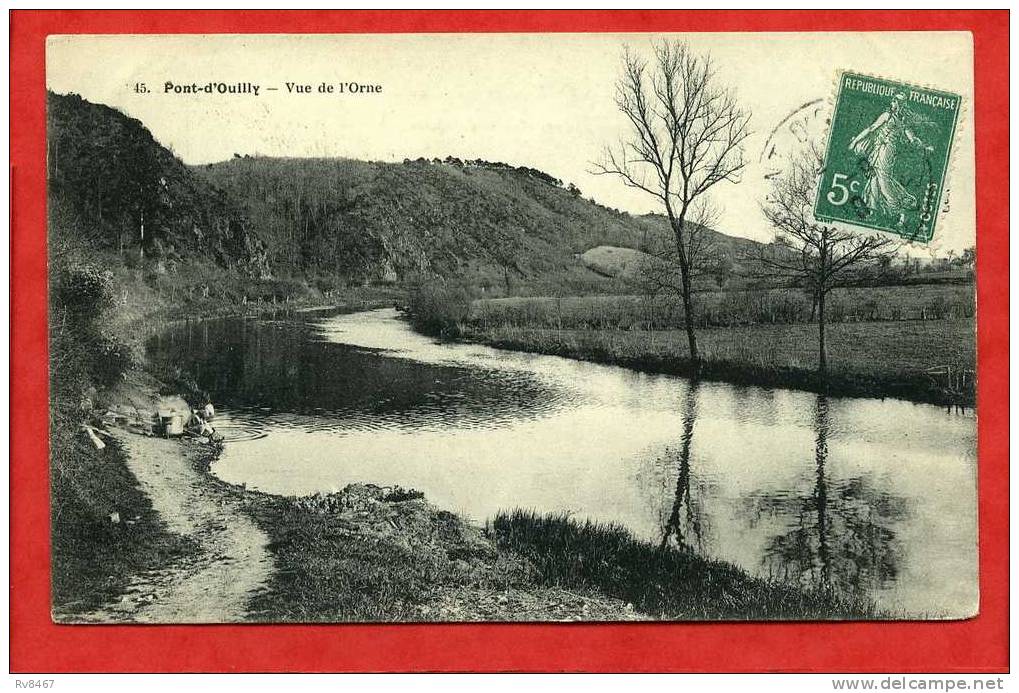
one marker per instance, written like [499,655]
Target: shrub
[398,494]
[82,355]
[83,290]
[111,360]
[278,290]
[439,309]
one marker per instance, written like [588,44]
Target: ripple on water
[236,431]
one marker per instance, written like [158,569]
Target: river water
[876,497]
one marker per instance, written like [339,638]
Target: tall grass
[726,308]
[661,581]
[439,309]
[894,364]
[383,562]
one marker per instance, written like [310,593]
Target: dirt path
[233,563]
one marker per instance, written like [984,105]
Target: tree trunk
[822,352]
[686,289]
[688,317]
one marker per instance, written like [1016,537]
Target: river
[873,497]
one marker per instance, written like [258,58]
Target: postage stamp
[887,156]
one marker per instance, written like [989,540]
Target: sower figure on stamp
[878,144]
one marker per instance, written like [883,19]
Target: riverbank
[104,529]
[141,312]
[385,555]
[670,583]
[377,554]
[363,554]
[229,559]
[894,362]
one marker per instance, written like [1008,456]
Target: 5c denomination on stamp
[887,156]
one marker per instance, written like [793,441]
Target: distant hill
[390,221]
[374,221]
[112,187]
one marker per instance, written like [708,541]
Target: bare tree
[659,271]
[813,255]
[686,136]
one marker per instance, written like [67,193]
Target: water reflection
[280,370]
[685,518]
[874,496]
[838,534]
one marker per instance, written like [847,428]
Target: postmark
[803,126]
[887,156]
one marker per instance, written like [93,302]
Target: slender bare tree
[813,255]
[686,135]
[659,271]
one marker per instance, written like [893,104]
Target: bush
[82,355]
[83,290]
[439,309]
[328,284]
[111,360]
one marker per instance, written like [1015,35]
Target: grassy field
[727,308]
[881,340]
[865,358]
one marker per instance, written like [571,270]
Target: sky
[539,100]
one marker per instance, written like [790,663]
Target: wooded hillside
[112,187]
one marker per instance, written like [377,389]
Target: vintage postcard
[512,327]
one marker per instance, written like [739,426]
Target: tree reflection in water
[685,518]
[839,535]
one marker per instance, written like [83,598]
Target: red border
[37,645]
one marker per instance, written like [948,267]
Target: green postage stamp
[887,156]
